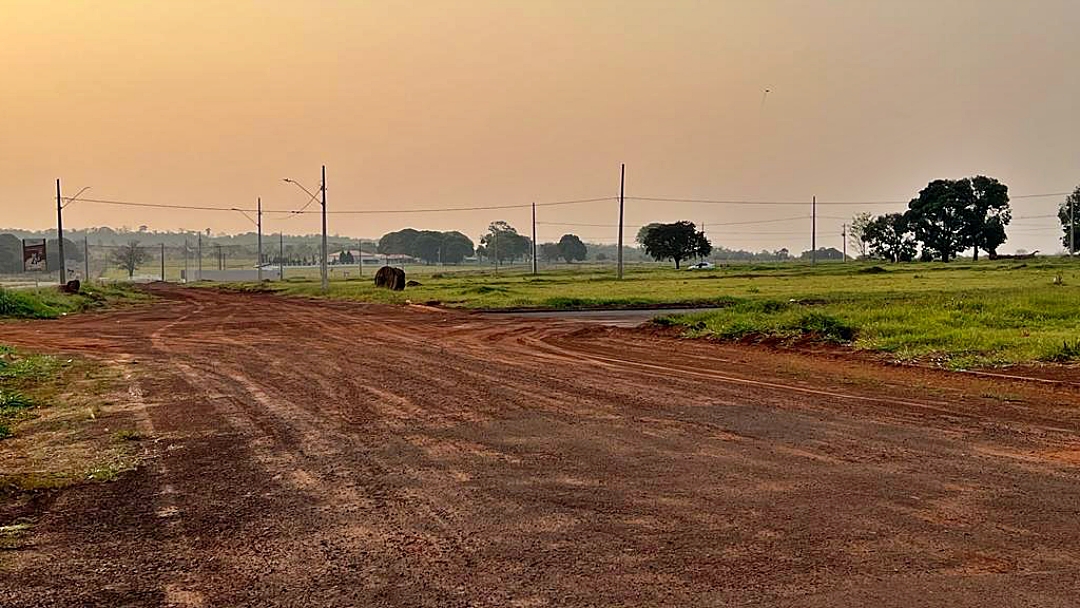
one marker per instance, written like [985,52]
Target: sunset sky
[421,104]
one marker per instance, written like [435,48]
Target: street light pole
[324,271]
[259,265]
[325,251]
[60,233]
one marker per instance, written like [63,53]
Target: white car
[701,266]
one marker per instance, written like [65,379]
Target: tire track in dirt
[334,454]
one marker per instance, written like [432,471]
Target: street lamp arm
[71,199]
[312,197]
[243,213]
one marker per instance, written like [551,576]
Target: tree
[823,253]
[11,254]
[939,217]
[888,237]
[502,242]
[644,231]
[571,248]
[678,241]
[400,242]
[1069,214]
[456,247]
[988,213]
[427,246]
[859,222]
[130,257]
[549,252]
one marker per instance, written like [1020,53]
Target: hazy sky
[419,104]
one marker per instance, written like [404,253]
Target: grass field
[955,315]
[50,302]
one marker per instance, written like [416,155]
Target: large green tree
[572,249]
[888,237]
[644,232]
[456,247]
[1069,215]
[502,242]
[939,217]
[399,242]
[427,246]
[549,252]
[988,213]
[678,241]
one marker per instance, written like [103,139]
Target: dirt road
[314,454]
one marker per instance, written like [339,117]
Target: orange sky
[417,104]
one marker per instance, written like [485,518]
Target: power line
[345,212]
[703,201]
[100,201]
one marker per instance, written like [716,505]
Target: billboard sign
[34,258]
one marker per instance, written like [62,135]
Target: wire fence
[202,257]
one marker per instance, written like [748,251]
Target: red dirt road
[332,454]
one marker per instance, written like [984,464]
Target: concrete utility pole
[622,191]
[496,252]
[325,251]
[86,258]
[163,262]
[281,256]
[258,223]
[813,232]
[187,269]
[200,256]
[534,238]
[360,256]
[843,235]
[60,234]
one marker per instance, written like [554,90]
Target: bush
[1063,354]
[24,305]
[826,327]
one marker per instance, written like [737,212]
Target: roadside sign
[34,255]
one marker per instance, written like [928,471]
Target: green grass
[22,381]
[958,315]
[50,302]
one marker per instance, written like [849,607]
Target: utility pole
[325,252]
[60,233]
[622,191]
[496,252]
[259,275]
[200,256]
[534,238]
[86,258]
[163,262]
[281,256]
[813,232]
[187,269]
[843,235]
[360,256]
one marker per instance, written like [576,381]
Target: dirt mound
[390,278]
[413,284]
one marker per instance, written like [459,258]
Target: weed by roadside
[50,303]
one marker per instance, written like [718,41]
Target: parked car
[701,266]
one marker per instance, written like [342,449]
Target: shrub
[826,327]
